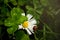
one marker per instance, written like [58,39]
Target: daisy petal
[29,16]
[31,28]
[23,14]
[20,27]
[28,31]
[32,21]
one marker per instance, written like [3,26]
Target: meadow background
[46,12]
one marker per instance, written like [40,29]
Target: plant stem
[9,6]
[48,28]
[35,37]
[49,32]
[44,33]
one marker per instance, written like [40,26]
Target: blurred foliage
[46,12]
[21,36]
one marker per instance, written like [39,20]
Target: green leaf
[25,37]
[20,35]
[22,19]
[9,22]
[16,13]
[12,29]
[16,17]
[29,8]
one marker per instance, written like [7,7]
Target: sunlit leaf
[22,19]
[16,12]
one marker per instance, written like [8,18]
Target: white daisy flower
[28,25]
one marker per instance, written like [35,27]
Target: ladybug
[35,28]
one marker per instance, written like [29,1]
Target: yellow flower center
[25,24]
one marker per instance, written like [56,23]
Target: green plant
[11,16]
